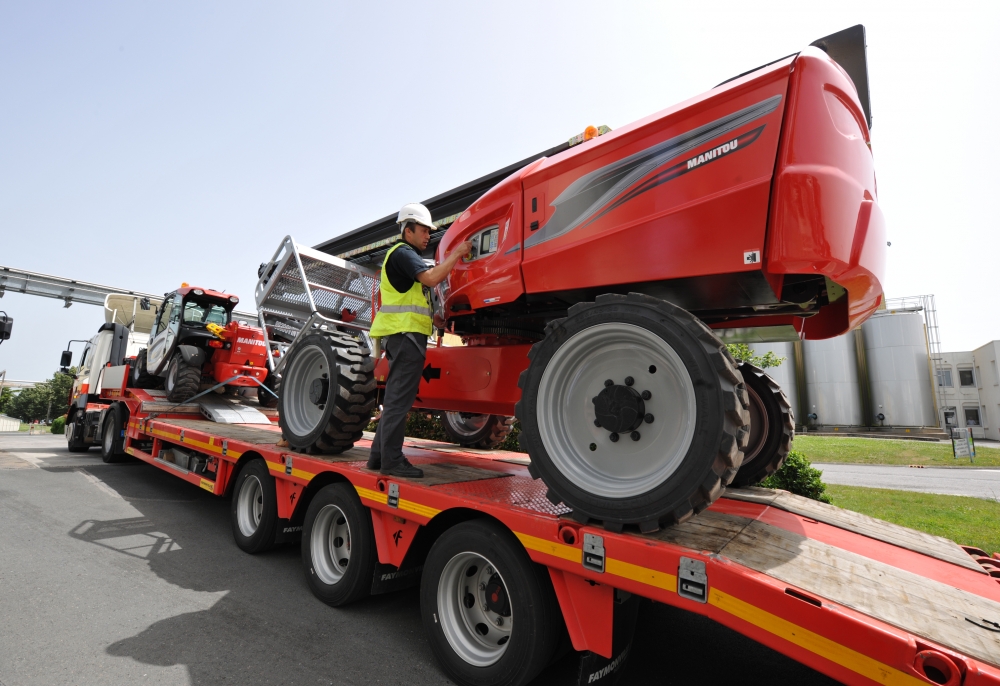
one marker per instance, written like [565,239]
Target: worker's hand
[464,248]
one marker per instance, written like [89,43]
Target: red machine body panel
[245,357]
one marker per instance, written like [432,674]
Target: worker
[402,326]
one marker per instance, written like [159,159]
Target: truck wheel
[633,412]
[265,398]
[327,393]
[476,430]
[772,428]
[182,380]
[338,546]
[74,434]
[112,443]
[489,612]
[254,508]
[139,376]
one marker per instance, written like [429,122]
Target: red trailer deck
[856,598]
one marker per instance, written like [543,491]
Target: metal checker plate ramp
[288,297]
[517,491]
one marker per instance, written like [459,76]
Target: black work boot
[403,469]
[374,462]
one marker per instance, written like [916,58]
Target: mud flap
[287,532]
[595,669]
[389,578]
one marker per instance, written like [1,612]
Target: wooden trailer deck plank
[248,433]
[709,531]
[894,534]
[914,603]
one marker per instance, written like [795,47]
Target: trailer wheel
[772,428]
[338,546]
[264,397]
[476,430]
[633,412]
[182,380]
[139,376]
[112,443]
[74,437]
[489,612]
[327,393]
[254,508]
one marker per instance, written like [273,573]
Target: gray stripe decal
[514,249]
[590,192]
[402,309]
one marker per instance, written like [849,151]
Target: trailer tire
[112,441]
[73,441]
[772,428]
[139,376]
[254,508]
[662,471]
[182,380]
[485,431]
[338,546]
[481,633]
[327,393]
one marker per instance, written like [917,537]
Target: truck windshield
[205,313]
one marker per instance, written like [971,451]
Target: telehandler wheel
[772,428]
[139,376]
[74,437]
[338,546]
[182,380]
[254,508]
[327,393]
[112,441]
[489,612]
[633,412]
[264,397]
[476,430]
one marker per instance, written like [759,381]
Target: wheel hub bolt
[613,437]
[648,418]
[609,382]
[499,621]
[597,422]
[482,586]
[646,395]
[629,381]
[635,435]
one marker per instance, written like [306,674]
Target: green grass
[884,451]
[968,521]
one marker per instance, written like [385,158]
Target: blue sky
[145,144]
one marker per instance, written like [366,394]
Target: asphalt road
[123,574]
[971,481]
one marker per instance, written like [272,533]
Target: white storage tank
[896,352]
[784,374]
[832,389]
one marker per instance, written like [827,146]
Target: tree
[44,401]
[6,396]
[744,353]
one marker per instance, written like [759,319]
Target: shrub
[800,477]
[59,425]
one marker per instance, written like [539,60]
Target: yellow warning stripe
[297,473]
[418,509]
[566,552]
[644,575]
[208,447]
[811,641]
[374,496]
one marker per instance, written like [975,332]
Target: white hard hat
[415,212]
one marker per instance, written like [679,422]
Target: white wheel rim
[250,506]
[477,634]
[565,410]
[109,437]
[465,424]
[301,415]
[330,544]
[759,427]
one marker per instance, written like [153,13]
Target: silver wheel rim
[477,634]
[300,414]
[465,424]
[171,377]
[330,544]
[250,506]
[759,427]
[69,431]
[109,436]
[565,410]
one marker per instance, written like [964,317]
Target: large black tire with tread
[536,625]
[182,380]
[316,415]
[253,511]
[720,422]
[73,431]
[772,428]
[338,546]
[493,431]
[112,441]
[264,396]
[139,376]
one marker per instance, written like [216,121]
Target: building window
[944,378]
[972,416]
[966,377]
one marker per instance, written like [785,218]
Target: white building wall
[9,423]
[986,359]
[959,392]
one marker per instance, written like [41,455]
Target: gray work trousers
[406,352]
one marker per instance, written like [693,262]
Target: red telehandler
[606,277]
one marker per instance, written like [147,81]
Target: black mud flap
[388,578]
[595,669]
[287,532]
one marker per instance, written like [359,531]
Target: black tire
[139,376]
[316,415]
[254,528]
[112,441]
[707,455]
[182,380]
[476,430]
[338,546]
[772,428]
[265,398]
[73,437]
[515,585]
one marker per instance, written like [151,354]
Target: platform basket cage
[302,291]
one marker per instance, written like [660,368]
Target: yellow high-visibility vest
[408,312]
